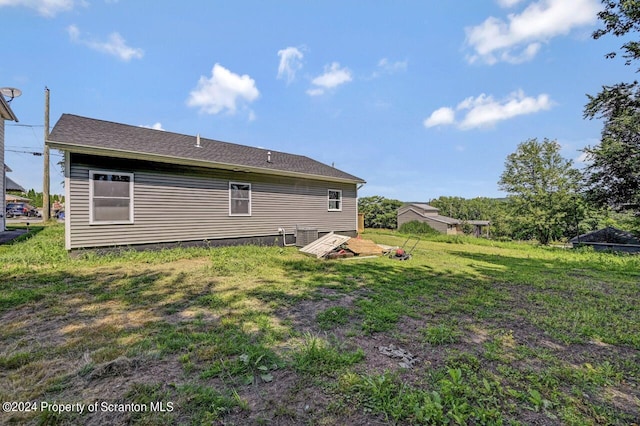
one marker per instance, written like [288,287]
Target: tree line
[36,198]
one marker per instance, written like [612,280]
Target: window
[239,199]
[335,200]
[110,197]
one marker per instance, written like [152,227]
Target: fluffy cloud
[155,126]
[222,91]
[519,38]
[115,45]
[485,111]
[333,77]
[290,63]
[440,117]
[47,8]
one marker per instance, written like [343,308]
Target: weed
[317,356]
[203,404]
[254,365]
[332,317]
[440,335]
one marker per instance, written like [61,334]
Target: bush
[417,227]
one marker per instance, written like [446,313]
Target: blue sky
[419,98]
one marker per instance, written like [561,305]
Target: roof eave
[6,111]
[83,149]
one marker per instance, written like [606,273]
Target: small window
[111,197]
[239,199]
[335,200]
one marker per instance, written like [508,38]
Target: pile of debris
[334,246]
[406,358]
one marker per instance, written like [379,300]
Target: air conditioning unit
[305,236]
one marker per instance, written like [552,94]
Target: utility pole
[46,205]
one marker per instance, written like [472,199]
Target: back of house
[129,185]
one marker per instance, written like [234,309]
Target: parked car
[21,209]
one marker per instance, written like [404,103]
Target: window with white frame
[239,199]
[110,197]
[335,200]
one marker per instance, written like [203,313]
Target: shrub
[417,227]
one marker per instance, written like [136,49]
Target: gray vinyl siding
[179,203]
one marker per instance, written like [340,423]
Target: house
[126,185]
[5,114]
[423,212]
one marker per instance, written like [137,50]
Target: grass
[503,333]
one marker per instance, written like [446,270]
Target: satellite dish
[10,92]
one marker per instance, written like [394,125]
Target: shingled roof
[90,136]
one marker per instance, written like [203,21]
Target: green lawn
[496,333]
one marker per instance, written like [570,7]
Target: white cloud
[333,77]
[315,92]
[222,91]
[115,45]
[47,8]
[155,126]
[441,116]
[519,38]
[387,67]
[485,111]
[290,63]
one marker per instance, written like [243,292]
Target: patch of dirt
[292,400]
[121,366]
[303,314]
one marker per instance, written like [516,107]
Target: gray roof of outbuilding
[87,135]
[423,206]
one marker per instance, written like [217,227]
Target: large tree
[543,191]
[613,174]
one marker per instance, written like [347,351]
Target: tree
[379,212]
[613,175]
[543,191]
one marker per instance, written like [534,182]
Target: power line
[38,154]
[24,125]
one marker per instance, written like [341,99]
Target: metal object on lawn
[305,236]
[403,254]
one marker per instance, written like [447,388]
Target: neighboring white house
[5,114]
